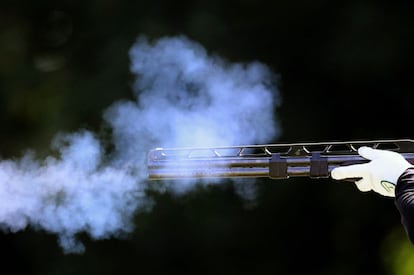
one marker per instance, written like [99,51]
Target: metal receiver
[276,161]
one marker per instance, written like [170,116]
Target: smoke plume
[184,97]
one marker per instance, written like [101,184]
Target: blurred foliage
[398,254]
[345,73]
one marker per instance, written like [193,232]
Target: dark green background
[345,73]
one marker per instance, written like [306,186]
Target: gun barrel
[276,161]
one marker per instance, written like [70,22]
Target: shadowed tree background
[344,72]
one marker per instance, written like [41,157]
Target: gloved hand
[380,174]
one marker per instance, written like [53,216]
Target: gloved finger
[363,185]
[371,154]
[351,171]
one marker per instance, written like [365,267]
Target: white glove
[380,174]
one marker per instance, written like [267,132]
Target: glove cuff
[400,173]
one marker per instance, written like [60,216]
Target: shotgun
[275,161]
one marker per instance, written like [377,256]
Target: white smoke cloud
[184,97]
[194,99]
